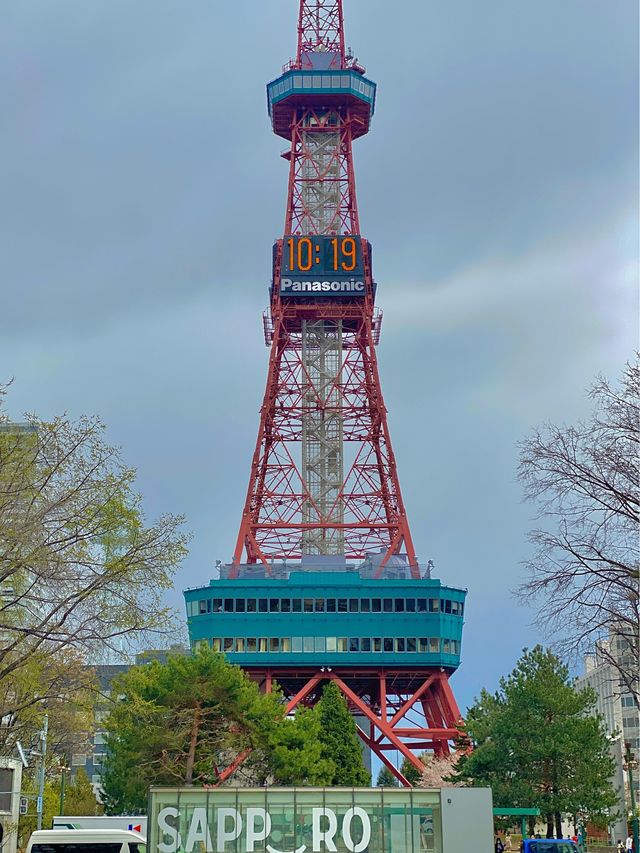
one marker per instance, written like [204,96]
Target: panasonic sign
[341,287]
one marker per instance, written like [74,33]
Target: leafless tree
[585,570]
[79,568]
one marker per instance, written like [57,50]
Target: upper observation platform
[345,90]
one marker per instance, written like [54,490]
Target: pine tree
[536,743]
[386,779]
[340,742]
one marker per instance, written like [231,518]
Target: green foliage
[386,779]
[340,742]
[536,744]
[28,823]
[80,568]
[182,722]
[79,798]
[411,773]
[296,755]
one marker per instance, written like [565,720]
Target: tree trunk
[550,825]
[558,825]
[193,740]
[531,826]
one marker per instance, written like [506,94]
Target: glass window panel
[447,605]
[202,607]
[216,644]
[217,605]
[326,81]
[387,605]
[263,605]
[308,644]
[331,605]
[377,644]
[274,605]
[228,644]
[354,605]
[274,644]
[410,605]
[240,605]
[296,644]
[285,605]
[308,605]
[319,605]
[365,605]
[342,605]
[423,644]
[388,644]
[434,645]
[331,644]
[306,82]
[239,644]
[228,605]
[399,644]
[251,605]
[461,608]
[296,605]
[411,644]
[354,644]
[421,605]
[317,81]
[365,644]
[335,82]
[434,605]
[252,644]
[319,645]
[285,644]
[345,80]
[297,79]
[376,605]
[263,644]
[342,644]
[399,608]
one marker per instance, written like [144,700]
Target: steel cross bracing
[320,28]
[399,711]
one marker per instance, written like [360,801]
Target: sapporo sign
[289,820]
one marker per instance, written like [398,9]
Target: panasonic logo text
[291,286]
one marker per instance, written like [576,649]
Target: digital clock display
[333,257]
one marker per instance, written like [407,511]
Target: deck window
[331,605]
[354,644]
[296,644]
[410,605]
[252,644]
[342,605]
[342,644]
[365,605]
[434,645]
[377,644]
[308,605]
[434,605]
[388,644]
[308,644]
[296,605]
[365,644]
[285,605]
[227,644]
[332,644]
[423,644]
[240,604]
[251,605]
[354,605]
[376,605]
[387,605]
[319,605]
[411,644]
[399,608]
[262,605]
[400,644]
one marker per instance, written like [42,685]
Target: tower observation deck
[324,583]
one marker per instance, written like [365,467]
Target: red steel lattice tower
[341,494]
[324,548]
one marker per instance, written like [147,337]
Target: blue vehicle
[550,845]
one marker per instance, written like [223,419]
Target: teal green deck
[412,627]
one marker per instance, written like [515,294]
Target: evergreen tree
[79,796]
[411,773]
[181,722]
[386,779]
[340,742]
[536,744]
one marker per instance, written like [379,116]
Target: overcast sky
[141,190]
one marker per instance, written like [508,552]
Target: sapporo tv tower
[324,583]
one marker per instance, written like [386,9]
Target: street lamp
[63,771]
[630,764]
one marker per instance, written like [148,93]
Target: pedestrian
[628,844]
[620,848]
[498,846]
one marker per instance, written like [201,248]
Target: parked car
[550,845]
[86,841]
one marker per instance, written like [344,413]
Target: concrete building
[618,710]
[10,783]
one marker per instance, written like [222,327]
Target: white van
[86,841]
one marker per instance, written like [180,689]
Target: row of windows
[322,81]
[423,645]
[324,605]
